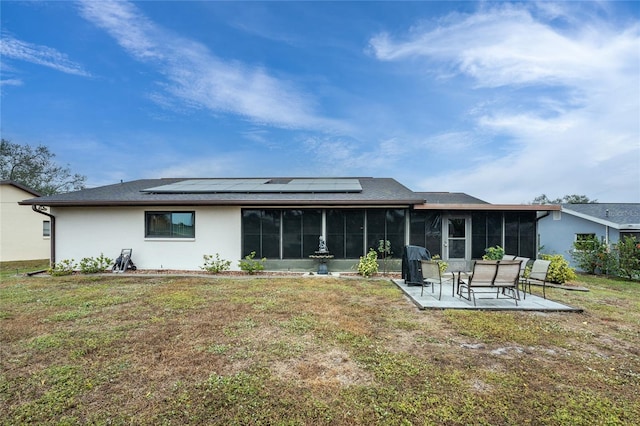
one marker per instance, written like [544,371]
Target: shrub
[559,271]
[591,255]
[493,253]
[90,265]
[250,265]
[215,264]
[64,267]
[384,248]
[628,257]
[368,265]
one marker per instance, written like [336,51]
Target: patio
[484,302]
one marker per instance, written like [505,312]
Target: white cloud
[508,46]
[11,82]
[200,79]
[568,100]
[11,47]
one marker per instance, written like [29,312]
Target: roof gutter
[41,209]
[274,202]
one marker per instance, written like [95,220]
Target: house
[24,233]
[609,222]
[172,223]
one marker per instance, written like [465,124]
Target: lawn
[291,351]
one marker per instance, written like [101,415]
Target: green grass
[183,350]
[9,269]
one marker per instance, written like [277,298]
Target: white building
[24,234]
[172,223]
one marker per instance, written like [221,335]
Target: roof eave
[490,207]
[20,186]
[110,203]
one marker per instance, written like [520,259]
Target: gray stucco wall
[558,235]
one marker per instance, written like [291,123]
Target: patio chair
[498,277]
[508,257]
[538,275]
[508,278]
[483,273]
[431,275]
[523,270]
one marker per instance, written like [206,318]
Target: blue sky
[503,101]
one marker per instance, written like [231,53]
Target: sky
[504,101]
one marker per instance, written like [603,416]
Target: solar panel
[300,185]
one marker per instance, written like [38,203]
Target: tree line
[35,168]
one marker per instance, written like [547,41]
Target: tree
[567,199]
[35,168]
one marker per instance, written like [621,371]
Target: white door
[457,238]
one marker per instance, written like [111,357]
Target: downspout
[40,209]
[547,213]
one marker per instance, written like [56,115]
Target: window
[457,237]
[586,241]
[486,231]
[301,230]
[345,233]
[170,225]
[630,234]
[387,225]
[46,228]
[294,233]
[519,234]
[261,233]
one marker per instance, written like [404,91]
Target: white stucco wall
[20,227]
[90,231]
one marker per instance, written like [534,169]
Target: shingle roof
[375,191]
[621,214]
[450,198]
[20,186]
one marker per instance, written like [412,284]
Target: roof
[458,201]
[615,215]
[19,186]
[450,198]
[158,192]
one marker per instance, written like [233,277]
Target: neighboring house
[24,234]
[172,223]
[609,222]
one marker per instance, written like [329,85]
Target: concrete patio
[483,301]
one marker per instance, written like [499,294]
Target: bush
[591,255]
[90,265]
[493,253]
[64,267]
[250,265]
[368,265]
[559,271]
[628,257]
[594,257]
[215,265]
